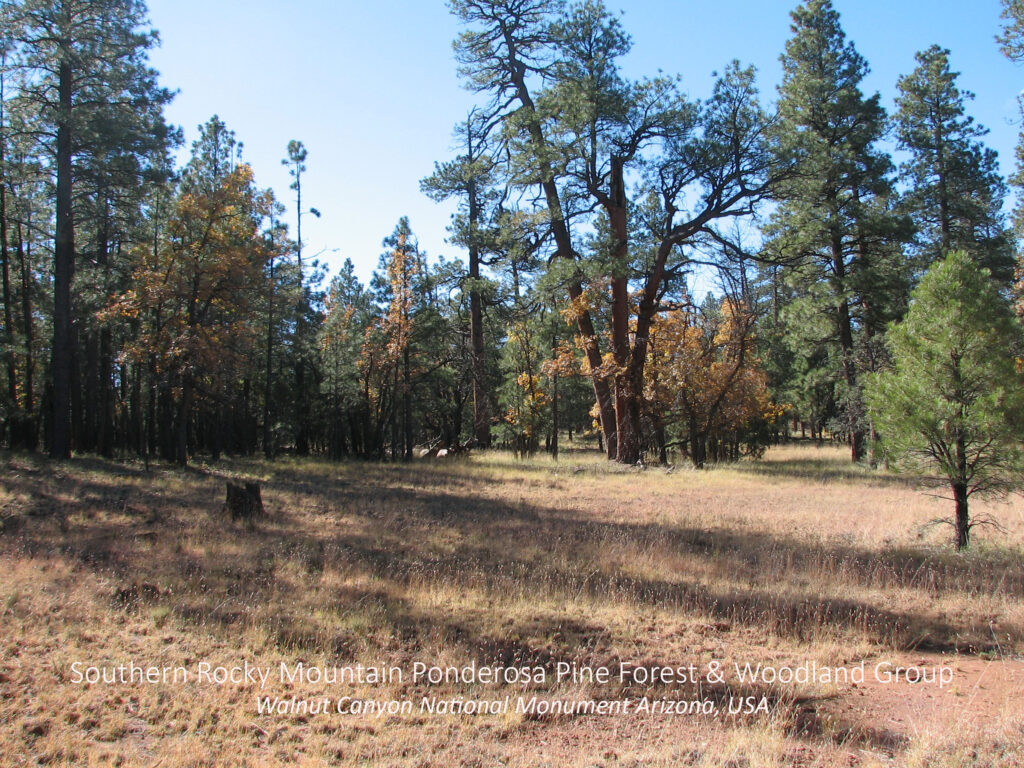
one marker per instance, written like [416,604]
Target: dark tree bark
[268,390]
[554,417]
[627,429]
[481,397]
[85,396]
[12,372]
[63,270]
[407,405]
[184,417]
[30,437]
[962,523]
[845,329]
[105,353]
[564,249]
[244,502]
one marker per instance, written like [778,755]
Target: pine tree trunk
[268,389]
[12,373]
[107,394]
[962,525]
[627,426]
[626,429]
[63,275]
[602,392]
[564,250]
[845,328]
[481,398]
[554,417]
[184,416]
[77,417]
[698,445]
[407,407]
[105,358]
[31,433]
[14,426]
[136,423]
[86,424]
[301,432]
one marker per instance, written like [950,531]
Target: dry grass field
[795,560]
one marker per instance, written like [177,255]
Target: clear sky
[371,88]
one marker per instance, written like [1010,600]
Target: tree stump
[244,502]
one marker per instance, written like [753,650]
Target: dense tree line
[170,312]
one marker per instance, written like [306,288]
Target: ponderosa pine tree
[348,314]
[1012,44]
[956,193]
[277,302]
[20,185]
[78,58]
[1012,38]
[953,402]
[510,45]
[470,177]
[834,223]
[296,162]
[579,131]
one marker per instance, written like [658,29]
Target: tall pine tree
[956,193]
[83,66]
[834,223]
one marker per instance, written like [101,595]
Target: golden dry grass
[798,557]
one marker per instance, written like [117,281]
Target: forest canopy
[167,312]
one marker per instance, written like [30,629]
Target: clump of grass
[160,614]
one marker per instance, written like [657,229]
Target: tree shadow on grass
[829,472]
[754,556]
[498,551]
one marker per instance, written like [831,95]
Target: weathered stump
[244,502]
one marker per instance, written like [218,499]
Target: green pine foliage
[955,191]
[953,403]
[167,312]
[835,227]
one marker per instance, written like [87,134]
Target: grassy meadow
[799,558]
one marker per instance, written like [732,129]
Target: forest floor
[800,561]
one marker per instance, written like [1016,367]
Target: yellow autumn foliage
[703,371]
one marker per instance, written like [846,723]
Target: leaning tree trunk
[564,249]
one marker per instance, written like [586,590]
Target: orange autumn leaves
[195,290]
[703,371]
[704,381]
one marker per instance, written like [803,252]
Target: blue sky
[371,88]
